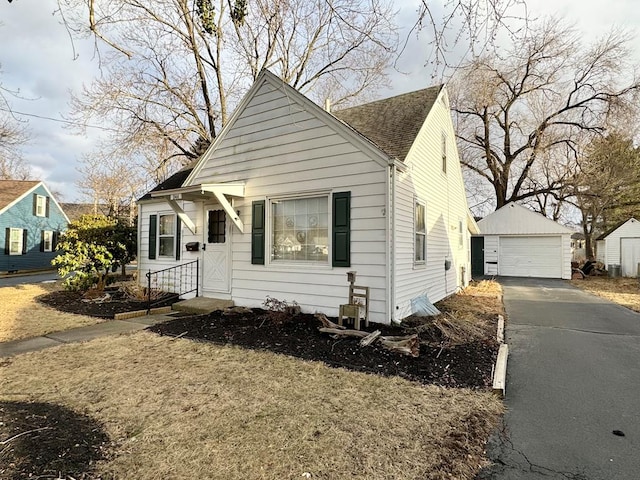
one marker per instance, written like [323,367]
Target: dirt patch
[457,348]
[23,316]
[43,440]
[105,305]
[620,290]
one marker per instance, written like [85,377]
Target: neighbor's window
[41,206]
[16,238]
[420,233]
[47,241]
[166,235]
[300,229]
[444,152]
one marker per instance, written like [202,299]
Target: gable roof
[75,210]
[174,181]
[514,219]
[392,124]
[293,96]
[12,191]
[614,228]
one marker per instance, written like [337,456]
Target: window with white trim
[41,205]
[420,230]
[16,239]
[166,235]
[300,229]
[460,233]
[47,241]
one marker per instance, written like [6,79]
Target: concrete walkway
[573,386]
[81,334]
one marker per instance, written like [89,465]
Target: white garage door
[530,257]
[629,256]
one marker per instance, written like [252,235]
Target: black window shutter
[42,240]
[35,204]
[341,229]
[7,240]
[25,237]
[178,228]
[46,212]
[153,231]
[257,232]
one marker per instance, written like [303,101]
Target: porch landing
[201,305]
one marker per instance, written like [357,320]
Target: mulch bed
[468,365]
[118,302]
[44,440]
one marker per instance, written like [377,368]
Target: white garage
[621,246]
[517,242]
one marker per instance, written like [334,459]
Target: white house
[517,242]
[289,198]
[621,246]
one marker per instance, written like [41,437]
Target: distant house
[621,246]
[289,198]
[30,221]
[517,242]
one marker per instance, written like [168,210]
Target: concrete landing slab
[202,305]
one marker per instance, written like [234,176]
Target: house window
[460,234]
[47,241]
[444,152]
[420,233]
[41,206]
[300,229]
[16,241]
[166,235]
[217,226]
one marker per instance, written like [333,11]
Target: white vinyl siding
[611,250]
[445,198]
[279,147]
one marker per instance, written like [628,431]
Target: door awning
[220,191]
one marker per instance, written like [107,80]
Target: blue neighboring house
[30,222]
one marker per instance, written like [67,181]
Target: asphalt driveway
[573,379]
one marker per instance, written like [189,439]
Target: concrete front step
[201,305]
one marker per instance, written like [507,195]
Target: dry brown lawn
[183,409]
[620,290]
[21,316]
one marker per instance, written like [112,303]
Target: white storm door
[216,257]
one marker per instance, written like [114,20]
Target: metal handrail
[172,279]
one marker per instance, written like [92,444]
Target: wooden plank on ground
[500,373]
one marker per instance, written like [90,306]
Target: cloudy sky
[38,59]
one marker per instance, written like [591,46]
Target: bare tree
[112,182]
[13,135]
[520,115]
[605,185]
[175,69]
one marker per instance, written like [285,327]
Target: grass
[621,290]
[24,317]
[183,409]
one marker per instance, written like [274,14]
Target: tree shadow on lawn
[44,440]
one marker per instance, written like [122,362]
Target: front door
[216,248]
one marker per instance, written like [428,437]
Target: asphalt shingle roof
[174,181]
[392,124]
[12,189]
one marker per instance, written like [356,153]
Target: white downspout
[391,229]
